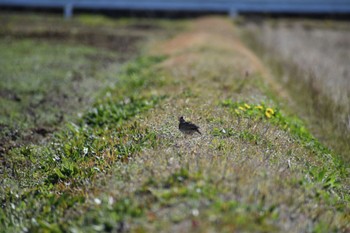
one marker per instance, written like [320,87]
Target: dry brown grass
[310,59]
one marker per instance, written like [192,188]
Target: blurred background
[232,7]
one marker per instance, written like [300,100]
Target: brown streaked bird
[188,127]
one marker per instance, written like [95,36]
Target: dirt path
[218,33]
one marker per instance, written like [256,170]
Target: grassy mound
[125,167]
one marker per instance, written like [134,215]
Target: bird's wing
[190,125]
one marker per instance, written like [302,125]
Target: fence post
[233,12]
[68,11]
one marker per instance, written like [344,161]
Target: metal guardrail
[232,7]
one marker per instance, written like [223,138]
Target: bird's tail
[198,131]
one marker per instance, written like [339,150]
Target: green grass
[60,173]
[329,176]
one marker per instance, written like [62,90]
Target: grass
[321,102]
[59,173]
[297,129]
[34,76]
[255,170]
[42,88]
[125,167]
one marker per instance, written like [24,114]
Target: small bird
[188,127]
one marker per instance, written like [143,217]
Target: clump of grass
[297,129]
[112,113]
[84,146]
[113,215]
[273,115]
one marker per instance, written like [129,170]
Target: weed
[113,114]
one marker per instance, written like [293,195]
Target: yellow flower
[241,108]
[259,107]
[247,106]
[269,112]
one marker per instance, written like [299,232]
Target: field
[310,59]
[90,139]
